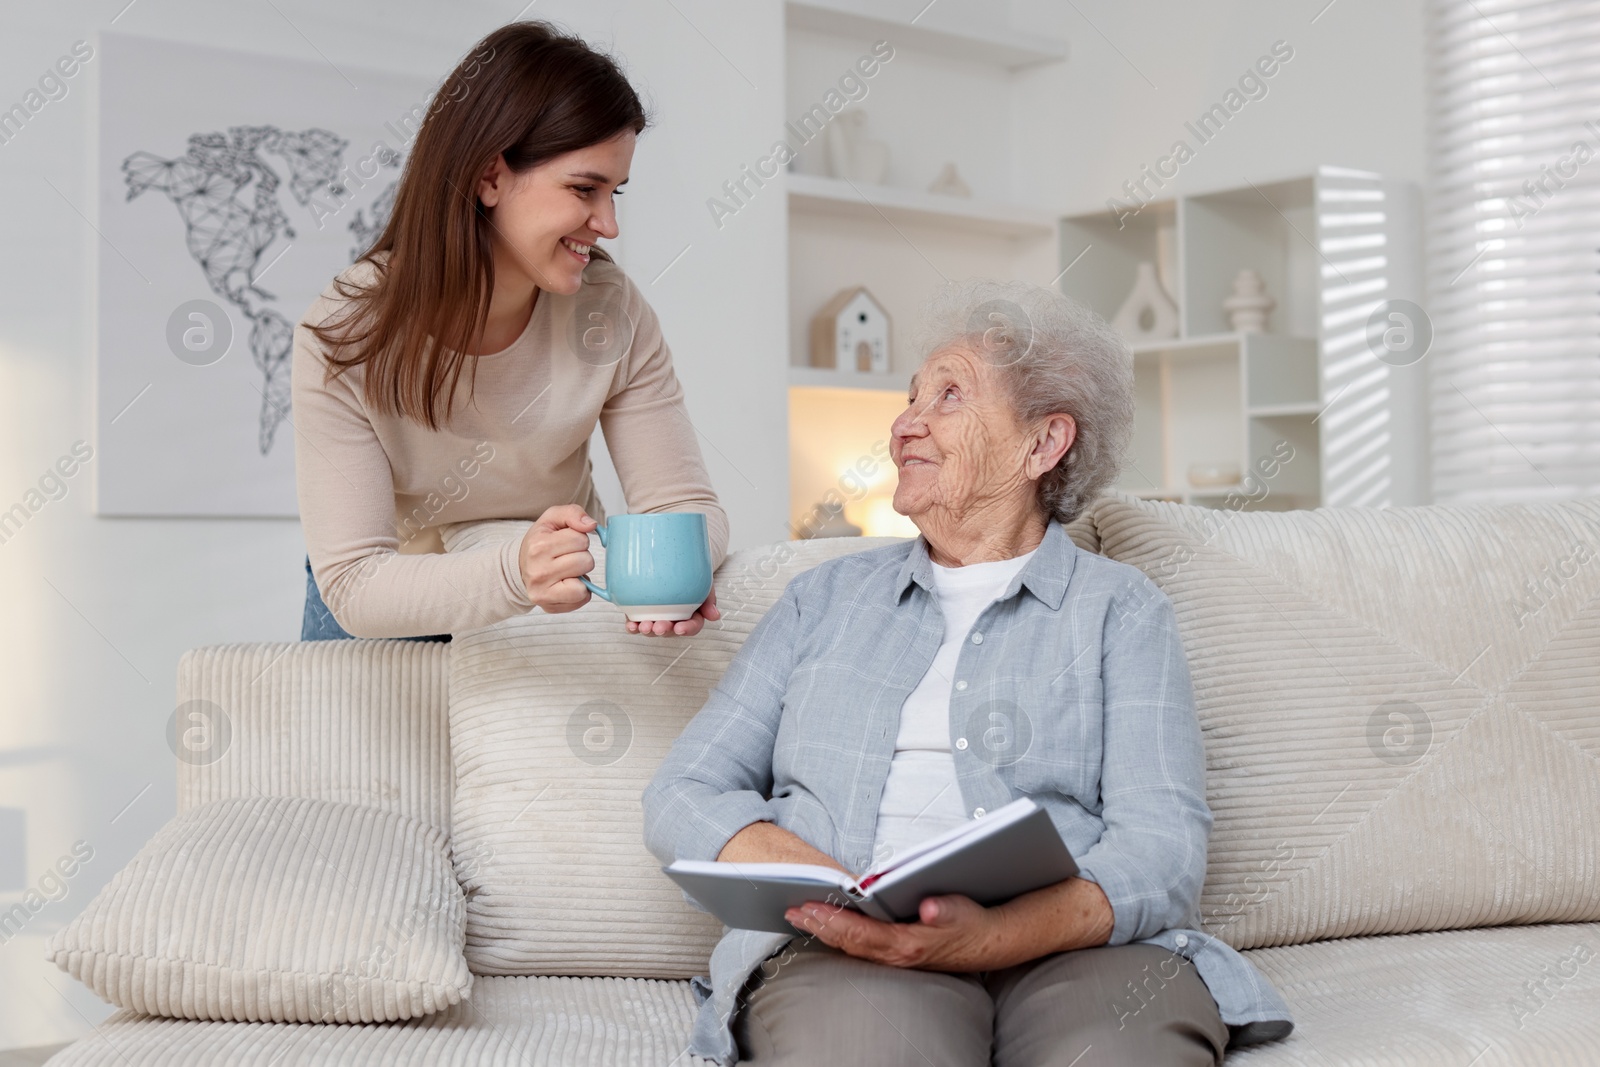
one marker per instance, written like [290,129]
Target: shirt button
[961,685]
[977,813]
[961,743]
[1181,940]
[977,639]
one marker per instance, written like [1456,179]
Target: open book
[1013,850]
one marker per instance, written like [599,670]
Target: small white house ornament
[851,333]
[1148,314]
[1249,305]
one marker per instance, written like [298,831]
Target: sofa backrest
[362,721]
[1401,710]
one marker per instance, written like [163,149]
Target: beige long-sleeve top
[376,489]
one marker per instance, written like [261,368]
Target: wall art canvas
[232,187]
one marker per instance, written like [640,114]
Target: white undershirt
[921,797]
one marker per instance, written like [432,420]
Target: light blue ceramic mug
[658,567]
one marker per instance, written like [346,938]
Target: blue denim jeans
[320,625]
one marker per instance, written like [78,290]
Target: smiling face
[967,465]
[546,218]
[957,444]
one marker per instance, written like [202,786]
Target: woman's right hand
[555,551]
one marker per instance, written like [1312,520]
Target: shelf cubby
[1280,373]
[951,75]
[1105,257]
[1214,396]
[1267,228]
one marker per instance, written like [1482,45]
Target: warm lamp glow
[838,451]
[877,518]
[859,474]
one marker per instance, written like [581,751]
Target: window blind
[1513,249]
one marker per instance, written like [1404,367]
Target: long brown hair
[528,91]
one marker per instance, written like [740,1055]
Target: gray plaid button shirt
[1072,689]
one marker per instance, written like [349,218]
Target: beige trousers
[1135,1005]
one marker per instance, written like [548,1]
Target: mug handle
[600,531]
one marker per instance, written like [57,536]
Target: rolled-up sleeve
[717,778]
[1151,859]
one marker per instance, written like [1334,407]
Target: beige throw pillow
[1401,710]
[277,909]
[557,723]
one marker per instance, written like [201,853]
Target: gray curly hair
[1054,356]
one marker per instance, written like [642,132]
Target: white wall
[97,611]
[1351,96]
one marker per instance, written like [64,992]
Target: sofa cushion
[557,723]
[1401,710]
[509,1022]
[283,909]
[1412,1000]
[1505,995]
[361,721]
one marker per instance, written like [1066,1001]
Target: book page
[952,840]
[793,872]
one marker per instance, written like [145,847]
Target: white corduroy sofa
[1401,710]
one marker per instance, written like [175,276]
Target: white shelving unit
[828,378]
[896,239]
[1006,48]
[834,196]
[1331,247]
[1222,398]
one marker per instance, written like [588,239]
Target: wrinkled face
[958,445]
[546,218]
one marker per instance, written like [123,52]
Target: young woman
[488,267]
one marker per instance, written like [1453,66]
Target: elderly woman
[892,694]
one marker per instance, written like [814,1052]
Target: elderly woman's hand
[954,934]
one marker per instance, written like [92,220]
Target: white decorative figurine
[851,155]
[832,524]
[1149,313]
[1249,305]
[949,183]
[851,333]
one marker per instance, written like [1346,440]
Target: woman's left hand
[707,612]
[954,933]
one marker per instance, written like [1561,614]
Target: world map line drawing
[227,195]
